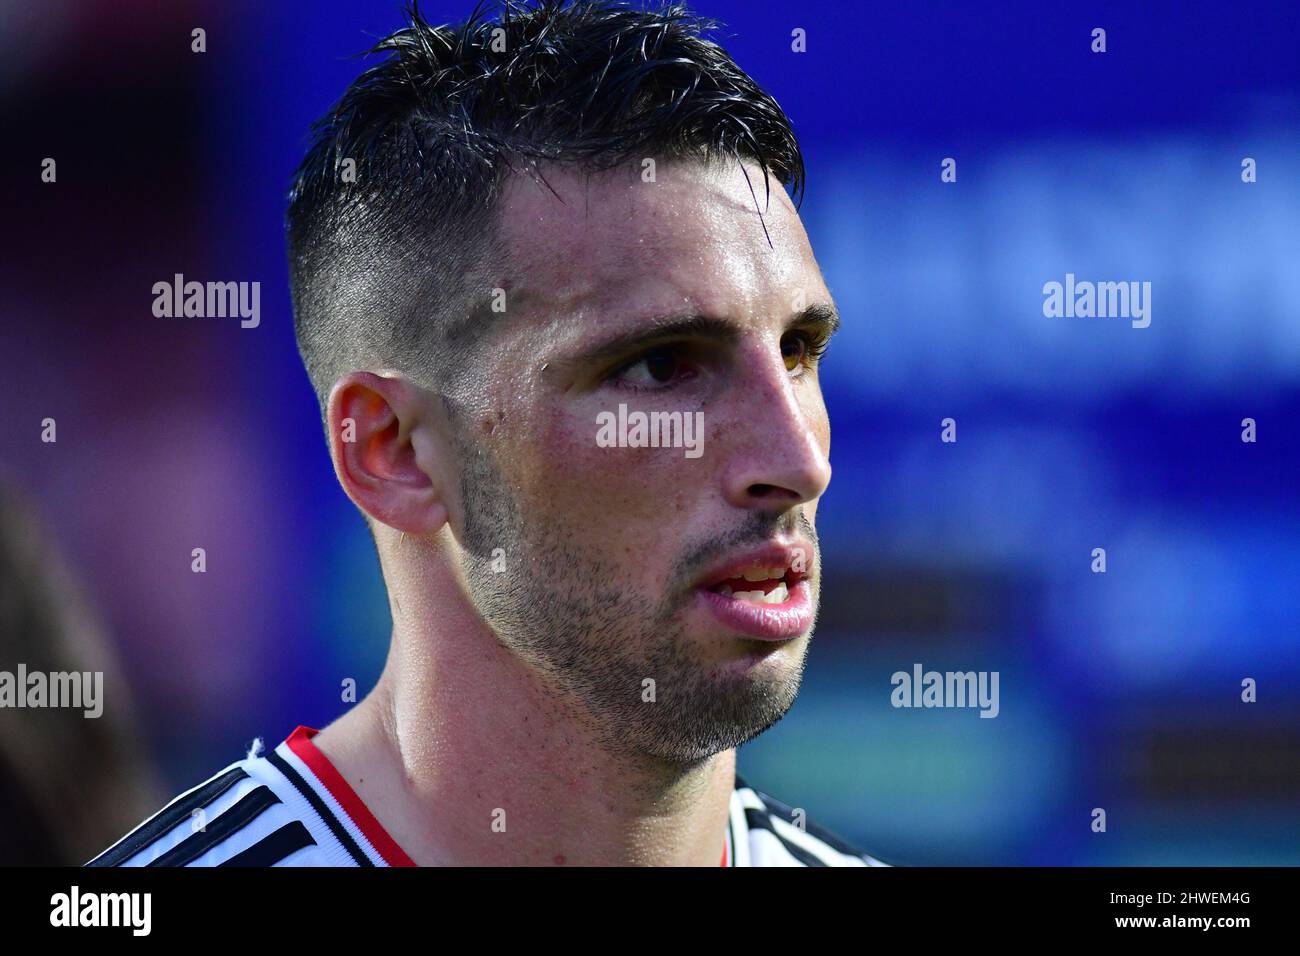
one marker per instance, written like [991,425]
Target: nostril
[772,494]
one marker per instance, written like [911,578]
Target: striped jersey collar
[292,807]
[353,808]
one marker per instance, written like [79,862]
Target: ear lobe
[372,421]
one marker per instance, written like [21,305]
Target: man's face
[615,565]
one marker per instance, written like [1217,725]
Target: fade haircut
[393,269]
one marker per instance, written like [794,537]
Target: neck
[468,756]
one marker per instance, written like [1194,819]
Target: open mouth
[758,584]
[765,594]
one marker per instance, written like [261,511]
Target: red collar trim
[300,743]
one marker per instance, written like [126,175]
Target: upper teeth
[763,574]
[777,595]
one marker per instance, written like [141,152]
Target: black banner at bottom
[336,906]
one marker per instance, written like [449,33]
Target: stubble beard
[600,646]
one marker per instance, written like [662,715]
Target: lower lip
[765,622]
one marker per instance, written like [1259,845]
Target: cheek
[607,493]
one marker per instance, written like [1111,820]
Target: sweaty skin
[537,580]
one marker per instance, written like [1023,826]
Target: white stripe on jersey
[739,830]
[292,805]
[776,840]
[276,811]
[339,814]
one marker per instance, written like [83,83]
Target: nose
[778,442]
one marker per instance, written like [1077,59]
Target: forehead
[611,242]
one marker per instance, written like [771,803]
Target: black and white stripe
[776,839]
[340,832]
[270,850]
[249,808]
[169,817]
[250,814]
[275,811]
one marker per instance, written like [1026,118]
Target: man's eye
[799,349]
[651,370]
[793,350]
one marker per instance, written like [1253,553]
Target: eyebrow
[665,328]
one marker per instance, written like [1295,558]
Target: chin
[733,654]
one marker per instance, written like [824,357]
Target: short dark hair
[380,267]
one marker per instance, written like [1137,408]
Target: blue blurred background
[1118,690]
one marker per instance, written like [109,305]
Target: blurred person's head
[502,234]
[68,782]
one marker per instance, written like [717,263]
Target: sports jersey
[292,807]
